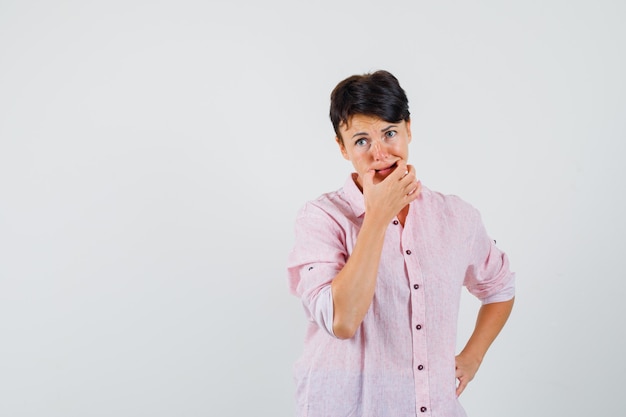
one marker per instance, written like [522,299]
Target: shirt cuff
[323,312]
[505,294]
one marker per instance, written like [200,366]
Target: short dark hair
[375,94]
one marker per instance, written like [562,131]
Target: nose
[379,151]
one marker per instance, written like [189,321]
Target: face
[371,143]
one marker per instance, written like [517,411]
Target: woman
[379,266]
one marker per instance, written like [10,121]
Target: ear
[342,148]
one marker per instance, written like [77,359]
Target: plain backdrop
[153,155]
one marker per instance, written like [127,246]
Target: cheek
[360,163]
[401,149]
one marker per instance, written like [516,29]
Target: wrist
[472,356]
[377,218]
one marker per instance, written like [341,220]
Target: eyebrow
[382,130]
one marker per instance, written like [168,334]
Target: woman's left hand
[466,368]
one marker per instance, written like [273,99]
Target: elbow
[344,330]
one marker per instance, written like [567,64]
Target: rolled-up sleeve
[317,257]
[488,276]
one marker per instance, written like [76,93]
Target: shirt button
[423,409]
[416,286]
[420,367]
[408,252]
[395,222]
[418,327]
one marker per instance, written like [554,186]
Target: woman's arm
[353,287]
[491,319]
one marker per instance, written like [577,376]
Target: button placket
[417,320]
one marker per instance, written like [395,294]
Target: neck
[402,215]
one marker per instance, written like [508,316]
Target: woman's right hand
[387,198]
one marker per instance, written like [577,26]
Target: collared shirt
[401,361]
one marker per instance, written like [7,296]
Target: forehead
[365,123]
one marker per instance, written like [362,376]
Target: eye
[390,134]
[361,142]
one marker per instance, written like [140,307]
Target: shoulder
[332,204]
[324,219]
[449,217]
[447,204]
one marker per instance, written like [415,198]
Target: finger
[417,189]
[401,170]
[408,173]
[411,188]
[458,372]
[461,387]
[413,185]
[368,178]
[410,169]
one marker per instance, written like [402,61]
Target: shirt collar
[354,195]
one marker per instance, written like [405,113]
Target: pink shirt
[400,362]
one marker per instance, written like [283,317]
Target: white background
[153,155]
